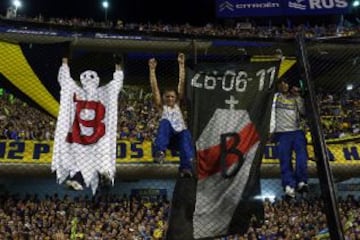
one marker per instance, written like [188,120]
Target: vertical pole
[195,51]
[190,110]
[320,149]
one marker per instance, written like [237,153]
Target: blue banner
[241,8]
[312,7]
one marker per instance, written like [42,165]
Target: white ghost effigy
[85,136]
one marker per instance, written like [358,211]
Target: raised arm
[181,85]
[64,73]
[295,91]
[300,105]
[118,77]
[153,82]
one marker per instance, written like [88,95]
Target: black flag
[231,107]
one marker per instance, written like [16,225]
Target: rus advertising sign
[312,7]
[241,8]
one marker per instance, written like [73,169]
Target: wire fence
[34,93]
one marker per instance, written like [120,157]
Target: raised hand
[295,91]
[152,63]
[117,58]
[181,58]
[118,67]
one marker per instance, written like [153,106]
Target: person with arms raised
[172,130]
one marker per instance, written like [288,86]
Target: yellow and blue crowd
[100,217]
[109,217]
[119,217]
[138,118]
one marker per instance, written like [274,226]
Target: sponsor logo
[327,4]
[317,4]
[33,32]
[226,6]
[298,4]
[257,5]
[109,36]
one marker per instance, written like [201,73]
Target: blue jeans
[182,141]
[287,143]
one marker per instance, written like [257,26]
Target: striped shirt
[287,112]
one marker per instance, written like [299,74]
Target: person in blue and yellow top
[172,130]
[288,108]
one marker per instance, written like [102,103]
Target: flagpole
[320,150]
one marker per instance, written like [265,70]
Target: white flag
[85,136]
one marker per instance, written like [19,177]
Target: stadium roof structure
[333,63]
[333,59]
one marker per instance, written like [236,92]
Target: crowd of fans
[114,217]
[111,217]
[302,219]
[241,29]
[100,217]
[137,120]
[18,121]
[340,116]
[122,217]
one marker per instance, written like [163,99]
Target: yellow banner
[340,153]
[141,152]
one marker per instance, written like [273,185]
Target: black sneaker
[159,157]
[186,173]
[105,180]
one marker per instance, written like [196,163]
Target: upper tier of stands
[240,29]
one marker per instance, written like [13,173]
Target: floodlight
[17,3]
[105,4]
